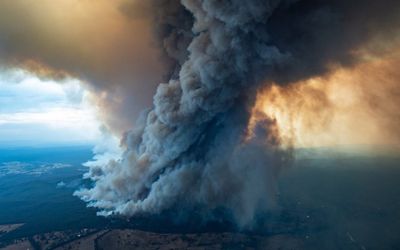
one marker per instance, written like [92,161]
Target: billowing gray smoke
[192,149]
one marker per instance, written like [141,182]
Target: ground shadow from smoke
[329,202]
[172,222]
[277,222]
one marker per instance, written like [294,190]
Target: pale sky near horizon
[36,112]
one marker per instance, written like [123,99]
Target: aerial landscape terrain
[332,200]
[199,124]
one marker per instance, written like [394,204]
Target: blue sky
[42,112]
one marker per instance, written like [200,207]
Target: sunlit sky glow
[34,111]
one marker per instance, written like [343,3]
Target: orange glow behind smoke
[360,105]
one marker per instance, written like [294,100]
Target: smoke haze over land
[349,106]
[193,149]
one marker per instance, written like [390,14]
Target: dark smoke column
[191,148]
[187,150]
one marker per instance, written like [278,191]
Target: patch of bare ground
[22,244]
[55,239]
[132,239]
[84,243]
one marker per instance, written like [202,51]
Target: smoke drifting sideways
[90,40]
[348,106]
[193,151]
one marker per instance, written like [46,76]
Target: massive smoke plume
[192,150]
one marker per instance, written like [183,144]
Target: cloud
[39,111]
[349,106]
[191,149]
[90,40]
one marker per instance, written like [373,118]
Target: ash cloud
[191,149]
